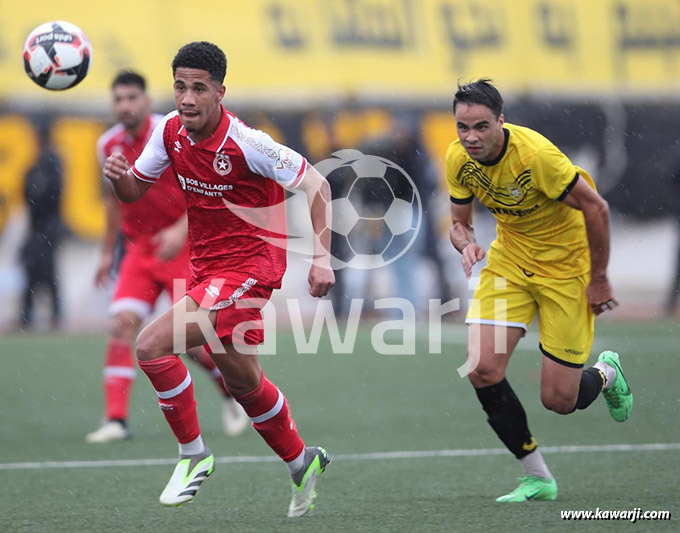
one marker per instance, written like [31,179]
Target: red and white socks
[119,374]
[268,409]
[265,405]
[175,391]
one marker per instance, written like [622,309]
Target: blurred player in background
[156,253]
[550,257]
[218,160]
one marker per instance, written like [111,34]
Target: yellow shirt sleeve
[459,193]
[552,173]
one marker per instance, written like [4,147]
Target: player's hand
[472,254]
[115,166]
[321,280]
[169,242]
[600,295]
[103,272]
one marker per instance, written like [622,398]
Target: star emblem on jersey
[222,164]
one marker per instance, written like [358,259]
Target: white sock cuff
[608,371]
[194,447]
[296,464]
[534,465]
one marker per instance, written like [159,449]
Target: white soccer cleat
[316,461]
[190,472]
[110,431]
[234,418]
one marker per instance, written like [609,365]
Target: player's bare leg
[267,407]
[505,412]
[119,375]
[174,387]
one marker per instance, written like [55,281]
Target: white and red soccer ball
[57,55]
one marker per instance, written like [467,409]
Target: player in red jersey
[219,161]
[157,252]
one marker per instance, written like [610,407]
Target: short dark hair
[480,92]
[202,55]
[129,77]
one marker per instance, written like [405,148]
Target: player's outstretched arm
[321,277]
[596,214]
[126,186]
[462,236]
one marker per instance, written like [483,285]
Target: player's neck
[499,149]
[139,129]
[210,127]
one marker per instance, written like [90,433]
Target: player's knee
[125,326]
[559,402]
[149,347]
[242,385]
[485,376]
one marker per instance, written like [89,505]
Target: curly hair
[202,55]
[480,92]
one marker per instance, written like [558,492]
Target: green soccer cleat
[532,488]
[190,472]
[618,397]
[316,461]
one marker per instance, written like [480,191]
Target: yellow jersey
[523,188]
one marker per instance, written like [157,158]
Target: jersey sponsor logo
[178,146]
[222,164]
[573,352]
[204,188]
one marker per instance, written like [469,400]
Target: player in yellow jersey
[549,258]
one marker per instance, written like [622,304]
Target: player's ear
[220,92]
[501,119]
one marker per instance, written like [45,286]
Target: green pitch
[364,403]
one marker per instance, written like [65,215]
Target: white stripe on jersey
[226,136]
[154,159]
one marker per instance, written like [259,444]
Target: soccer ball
[377,216]
[57,55]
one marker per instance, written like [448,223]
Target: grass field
[364,403]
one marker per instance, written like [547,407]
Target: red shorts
[238,299]
[143,277]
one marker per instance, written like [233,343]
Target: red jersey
[162,205]
[233,184]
